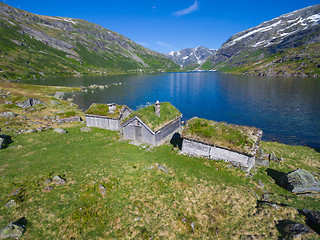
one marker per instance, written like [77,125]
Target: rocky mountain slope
[189,56]
[34,46]
[295,29]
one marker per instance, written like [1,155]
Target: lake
[286,109]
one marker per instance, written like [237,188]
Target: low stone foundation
[195,148]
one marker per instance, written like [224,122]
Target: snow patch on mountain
[188,56]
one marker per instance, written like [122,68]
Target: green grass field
[196,199]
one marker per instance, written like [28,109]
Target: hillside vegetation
[300,61]
[35,46]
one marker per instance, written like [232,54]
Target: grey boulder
[86,129]
[55,102]
[300,181]
[293,230]
[12,230]
[57,180]
[313,217]
[8,114]
[60,130]
[59,95]
[2,141]
[30,102]
[102,190]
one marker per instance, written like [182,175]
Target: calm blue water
[286,109]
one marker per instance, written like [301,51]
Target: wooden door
[137,133]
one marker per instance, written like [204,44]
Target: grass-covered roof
[237,138]
[155,123]
[101,109]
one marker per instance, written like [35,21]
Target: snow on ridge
[69,20]
[314,18]
[186,57]
[259,43]
[261,29]
[171,53]
[58,18]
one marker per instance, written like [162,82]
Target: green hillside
[299,61]
[33,46]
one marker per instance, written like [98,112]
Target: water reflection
[286,109]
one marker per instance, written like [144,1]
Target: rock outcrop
[30,102]
[60,130]
[300,181]
[189,56]
[253,46]
[13,230]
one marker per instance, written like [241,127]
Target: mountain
[189,56]
[289,31]
[35,46]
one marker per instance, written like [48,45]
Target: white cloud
[192,8]
[143,44]
[164,44]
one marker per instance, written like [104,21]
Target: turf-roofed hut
[106,116]
[153,124]
[221,141]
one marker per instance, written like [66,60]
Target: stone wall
[103,122]
[204,150]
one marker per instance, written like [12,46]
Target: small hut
[106,116]
[221,141]
[153,124]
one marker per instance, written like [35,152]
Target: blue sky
[164,25]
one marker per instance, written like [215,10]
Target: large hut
[106,116]
[153,124]
[221,141]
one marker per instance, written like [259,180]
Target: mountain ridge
[75,45]
[291,30]
[189,56]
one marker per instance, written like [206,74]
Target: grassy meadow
[151,193]
[197,198]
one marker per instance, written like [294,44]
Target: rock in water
[13,230]
[60,130]
[300,181]
[59,95]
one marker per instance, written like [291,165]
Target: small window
[138,124]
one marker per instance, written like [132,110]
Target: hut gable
[148,115]
[153,124]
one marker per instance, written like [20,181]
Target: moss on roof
[101,109]
[240,139]
[167,114]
